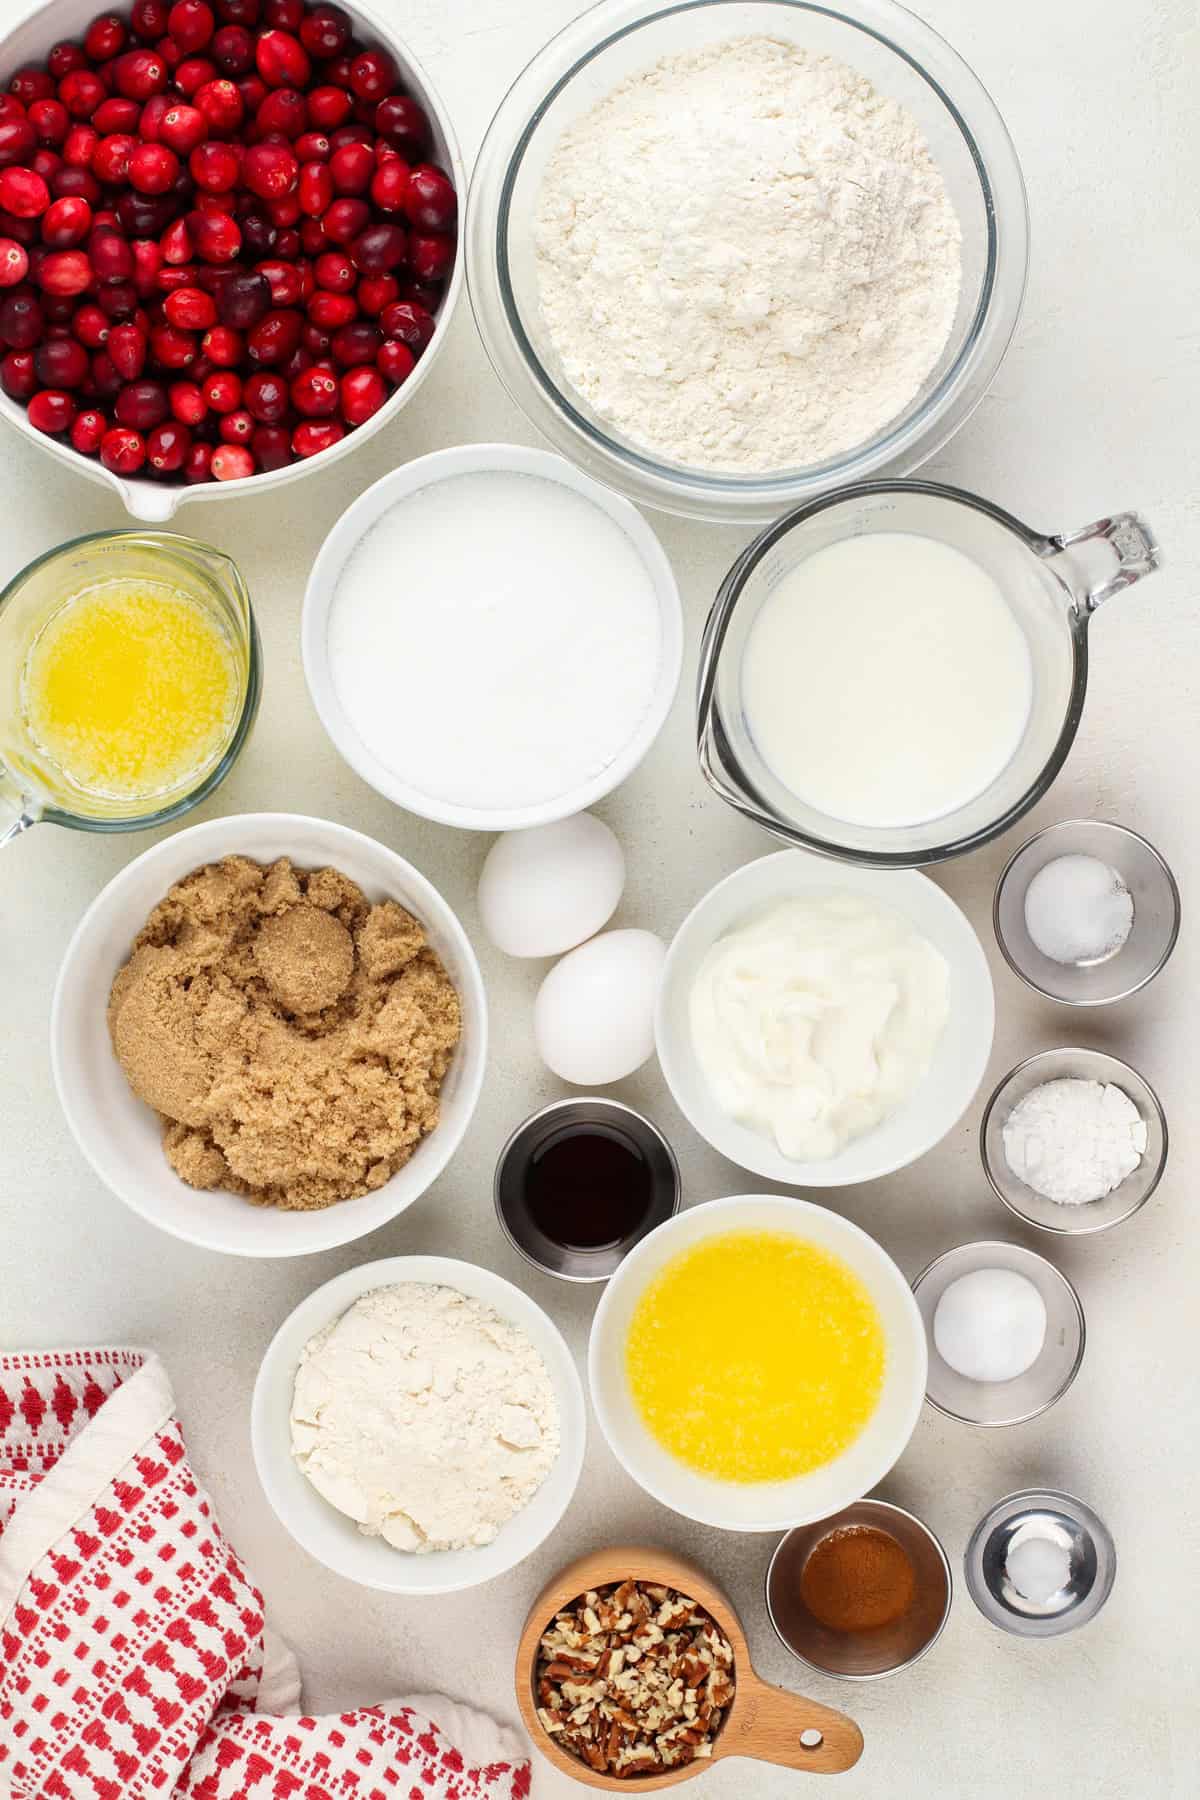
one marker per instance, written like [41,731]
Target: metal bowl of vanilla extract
[582,1181]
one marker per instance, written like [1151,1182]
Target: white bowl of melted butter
[799,1083]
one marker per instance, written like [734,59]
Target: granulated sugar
[495,640]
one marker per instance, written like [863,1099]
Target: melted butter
[755,1356]
[132,690]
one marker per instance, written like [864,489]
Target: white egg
[593,1018]
[544,890]
[990,1325]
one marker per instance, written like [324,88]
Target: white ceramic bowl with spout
[155,502]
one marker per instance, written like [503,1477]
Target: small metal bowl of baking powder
[1093,1215]
[1065,1525]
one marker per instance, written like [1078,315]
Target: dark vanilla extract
[588,1187]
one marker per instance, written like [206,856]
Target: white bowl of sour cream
[824,1025]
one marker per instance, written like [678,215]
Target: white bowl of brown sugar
[269,1034]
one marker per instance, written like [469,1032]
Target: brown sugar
[292,1037]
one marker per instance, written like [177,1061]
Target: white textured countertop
[1095,409]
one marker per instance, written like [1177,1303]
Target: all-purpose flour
[747,257]
[425,1416]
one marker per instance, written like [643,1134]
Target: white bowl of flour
[491,639]
[524,1358]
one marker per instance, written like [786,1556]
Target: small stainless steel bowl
[1155,914]
[568,1262]
[1067,1522]
[884,1650]
[1094,1215]
[1004,1402]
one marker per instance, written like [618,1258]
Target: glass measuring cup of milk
[36,782]
[1048,587]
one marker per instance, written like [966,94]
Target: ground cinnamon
[857,1578]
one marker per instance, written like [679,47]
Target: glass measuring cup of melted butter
[129,680]
[895,673]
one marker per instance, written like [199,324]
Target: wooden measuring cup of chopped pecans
[633,1671]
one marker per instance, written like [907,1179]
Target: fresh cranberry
[232,50]
[22,321]
[28,85]
[216,236]
[239,12]
[61,363]
[116,114]
[46,163]
[126,347]
[222,390]
[65,272]
[275,337]
[345,220]
[66,223]
[284,210]
[142,405]
[145,215]
[379,248]
[325,32]
[245,299]
[198,465]
[122,450]
[282,60]
[395,361]
[111,157]
[183,127]
[316,188]
[138,74]
[431,255]
[186,401]
[271,447]
[23,194]
[191,309]
[87,430]
[372,75]
[214,167]
[312,146]
[105,37]
[285,15]
[375,292]
[432,204]
[404,124]
[167,447]
[352,166]
[51,411]
[153,169]
[105,382]
[118,299]
[349,134]
[236,427]
[270,171]
[91,326]
[231,462]
[335,271]
[224,346]
[50,120]
[193,73]
[176,247]
[149,127]
[358,342]
[172,348]
[283,110]
[221,104]
[329,107]
[283,279]
[79,146]
[310,237]
[112,256]
[389,185]
[315,435]
[362,392]
[315,393]
[253,90]
[266,397]
[408,323]
[149,19]
[17,375]
[18,141]
[191,24]
[330,311]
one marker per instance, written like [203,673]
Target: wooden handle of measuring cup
[777,1727]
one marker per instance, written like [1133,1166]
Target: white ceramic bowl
[938,1101]
[156,501]
[334,1539]
[349,531]
[776,1505]
[121,1137]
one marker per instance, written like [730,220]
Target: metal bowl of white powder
[729,254]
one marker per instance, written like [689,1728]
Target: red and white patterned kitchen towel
[134,1661]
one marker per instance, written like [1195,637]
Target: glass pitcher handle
[18,811]
[1116,552]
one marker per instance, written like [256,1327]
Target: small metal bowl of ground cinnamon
[862,1594]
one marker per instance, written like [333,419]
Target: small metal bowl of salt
[1040,1563]
[1073,1141]
[1086,913]
[1005,1331]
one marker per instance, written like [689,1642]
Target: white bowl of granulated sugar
[491,638]
[426,1399]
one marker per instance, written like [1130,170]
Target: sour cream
[813,1021]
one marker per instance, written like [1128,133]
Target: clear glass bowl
[908,62]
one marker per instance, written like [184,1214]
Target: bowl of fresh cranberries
[228,239]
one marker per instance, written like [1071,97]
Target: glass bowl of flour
[729,254]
